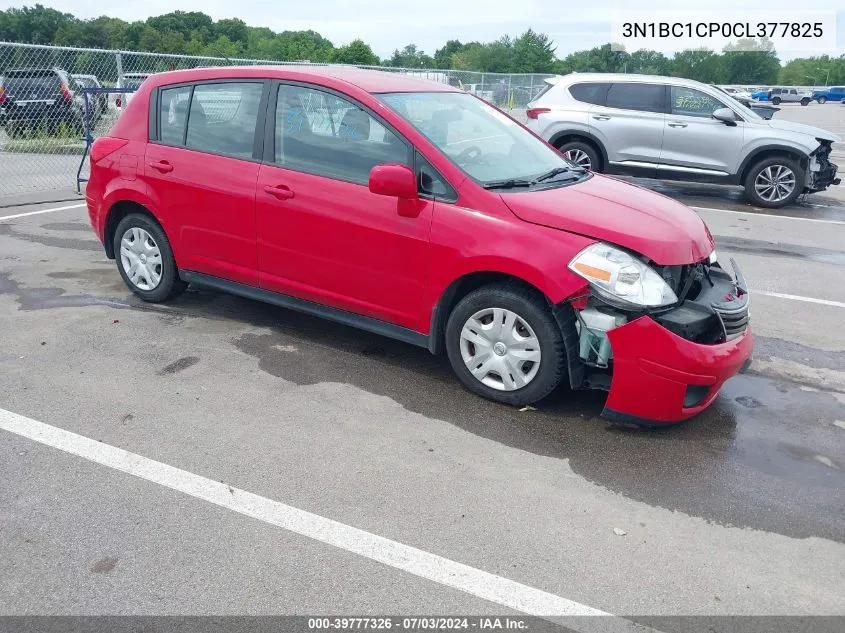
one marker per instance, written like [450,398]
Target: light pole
[827,78]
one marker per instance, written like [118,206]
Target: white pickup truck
[128,81]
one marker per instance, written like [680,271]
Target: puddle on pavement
[756,247]
[766,455]
[704,467]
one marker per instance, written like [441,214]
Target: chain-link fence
[54,100]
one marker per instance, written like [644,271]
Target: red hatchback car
[417,211]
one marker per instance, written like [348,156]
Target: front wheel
[505,345]
[581,154]
[805,101]
[774,182]
[145,259]
[776,100]
[822,99]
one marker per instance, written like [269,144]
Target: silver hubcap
[775,183]
[500,349]
[579,157]
[140,258]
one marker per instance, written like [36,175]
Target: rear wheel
[822,99]
[145,259]
[774,182]
[581,154]
[776,100]
[504,344]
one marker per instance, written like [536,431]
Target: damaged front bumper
[670,365]
[821,173]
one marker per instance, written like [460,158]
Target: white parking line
[769,215]
[781,295]
[40,211]
[447,572]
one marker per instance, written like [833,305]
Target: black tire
[589,150]
[751,178]
[805,101]
[776,100]
[534,311]
[822,99]
[169,286]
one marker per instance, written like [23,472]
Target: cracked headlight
[621,278]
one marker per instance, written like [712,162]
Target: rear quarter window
[595,93]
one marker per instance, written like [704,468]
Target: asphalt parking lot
[279,464]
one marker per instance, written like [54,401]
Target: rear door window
[595,93]
[222,118]
[635,96]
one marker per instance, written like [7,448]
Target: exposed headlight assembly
[620,278]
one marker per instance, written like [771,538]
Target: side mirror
[725,115]
[393,180]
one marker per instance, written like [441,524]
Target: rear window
[640,97]
[132,82]
[595,93]
[20,84]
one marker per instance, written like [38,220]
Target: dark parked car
[39,98]
[98,103]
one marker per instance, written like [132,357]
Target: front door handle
[280,192]
[161,165]
[677,124]
[601,117]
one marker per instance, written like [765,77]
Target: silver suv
[677,129]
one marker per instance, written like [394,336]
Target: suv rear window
[641,97]
[595,93]
[24,84]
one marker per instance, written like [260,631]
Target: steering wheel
[469,155]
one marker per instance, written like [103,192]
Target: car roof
[372,81]
[627,78]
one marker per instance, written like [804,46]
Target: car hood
[800,128]
[607,209]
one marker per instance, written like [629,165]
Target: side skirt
[308,307]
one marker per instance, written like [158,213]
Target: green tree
[443,56]
[235,30]
[356,52]
[648,63]
[410,57]
[701,65]
[760,65]
[532,53]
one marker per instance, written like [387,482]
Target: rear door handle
[601,117]
[161,165]
[677,124]
[281,192]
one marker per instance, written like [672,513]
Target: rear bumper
[661,378]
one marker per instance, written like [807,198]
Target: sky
[387,24]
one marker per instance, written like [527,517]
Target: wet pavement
[378,434]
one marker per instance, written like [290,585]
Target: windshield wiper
[555,172]
[510,183]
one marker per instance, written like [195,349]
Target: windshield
[486,144]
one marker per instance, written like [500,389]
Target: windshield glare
[483,142]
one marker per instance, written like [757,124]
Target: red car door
[202,173]
[322,235]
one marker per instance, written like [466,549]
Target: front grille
[734,322]
[713,306]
